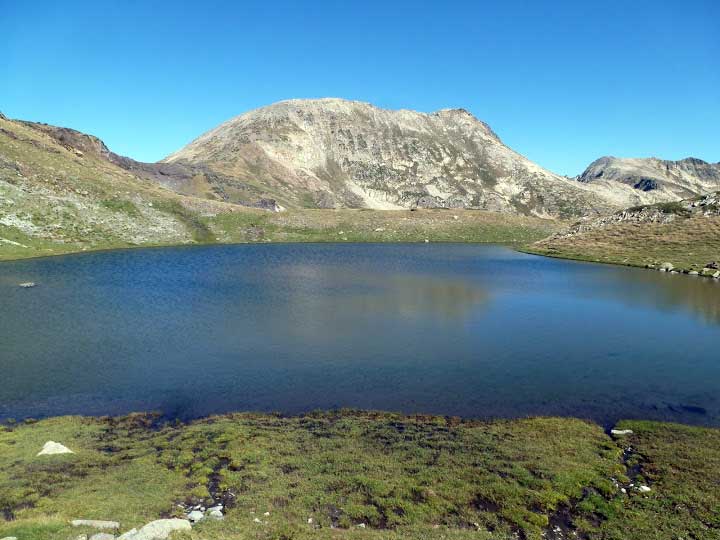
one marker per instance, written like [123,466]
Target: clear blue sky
[562,82]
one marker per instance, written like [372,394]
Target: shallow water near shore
[453,329]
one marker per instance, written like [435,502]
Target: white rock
[9,538]
[216,507]
[102,536]
[160,529]
[621,432]
[644,489]
[266,514]
[51,448]
[310,520]
[128,535]
[216,514]
[362,525]
[95,523]
[257,520]
[195,516]
[27,285]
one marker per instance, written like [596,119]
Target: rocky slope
[335,153]
[663,180]
[685,234]
[59,194]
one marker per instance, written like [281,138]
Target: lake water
[469,330]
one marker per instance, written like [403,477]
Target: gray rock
[195,516]
[160,529]
[644,489]
[102,536]
[95,524]
[128,535]
[51,448]
[215,514]
[693,273]
[621,432]
[9,538]
[666,267]
[27,285]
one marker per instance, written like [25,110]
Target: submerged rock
[51,448]
[27,285]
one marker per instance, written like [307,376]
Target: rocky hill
[678,236]
[329,153]
[665,180]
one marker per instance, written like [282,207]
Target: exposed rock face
[52,448]
[335,153]
[670,180]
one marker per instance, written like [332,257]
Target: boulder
[666,267]
[51,448]
[621,432]
[128,535]
[102,536]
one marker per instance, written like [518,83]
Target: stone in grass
[95,523]
[9,538]
[160,529]
[102,536]
[51,448]
[215,514]
[195,516]
[644,489]
[621,432]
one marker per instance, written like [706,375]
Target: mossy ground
[403,477]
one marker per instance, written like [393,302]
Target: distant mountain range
[334,153]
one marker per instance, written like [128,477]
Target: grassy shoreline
[363,474]
[247,226]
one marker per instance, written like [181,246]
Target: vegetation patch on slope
[366,475]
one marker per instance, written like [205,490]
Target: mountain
[329,153]
[668,180]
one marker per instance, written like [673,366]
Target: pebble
[644,489]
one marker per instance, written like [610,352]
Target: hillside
[62,191]
[329,153]
[685,234]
